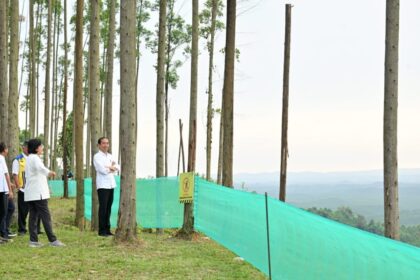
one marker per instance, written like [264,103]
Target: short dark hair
[3,147]
[33,145]
[102,138]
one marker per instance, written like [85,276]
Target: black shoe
[21,233]
[12,234]
[104,235]
[110,233]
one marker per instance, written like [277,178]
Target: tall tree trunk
[160,91]
[127,226]
[78,115]
[4,89]
[94,100]
[228,91]
[167,65]
[188,225]
[55,103]
[32,51]
[220,160]
[285,112]
[13,121]
[65,144]
[214,4]
[38,27]
[110,72]
[392,218]
[47,124]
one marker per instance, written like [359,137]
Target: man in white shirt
[106,168]
[6,192]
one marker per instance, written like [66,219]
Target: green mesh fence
[303,245]
[57,189]
[157,203]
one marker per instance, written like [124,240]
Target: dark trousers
[23,214]
[105,197]
[4,199]
[38,209]
[10,211]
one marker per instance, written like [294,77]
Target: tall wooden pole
[285,112]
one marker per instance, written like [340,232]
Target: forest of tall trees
[41,63]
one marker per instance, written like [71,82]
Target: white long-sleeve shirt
[3,171]
[104,176]
[36,179]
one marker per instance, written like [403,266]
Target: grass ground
[88,256]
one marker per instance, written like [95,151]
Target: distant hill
[362,191]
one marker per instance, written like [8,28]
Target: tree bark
[65,144]
[110,70]
[78,115]
[160,91]
[13,140]
[32,70]
[228,93]
[47,104]
[188,225]
[210,113]
[127,226]
[94,100]
[392,219]
[285,112]
[220,160]
[4,88]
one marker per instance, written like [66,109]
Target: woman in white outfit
[37,194]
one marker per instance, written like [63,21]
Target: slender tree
[78,115]
[208,18]
[4,90]
[32,94]
[47,86]
[285,112]
[177,36]
[228,91]
[127,226]
[220,158]
[13,121]
[160,91]
[64,133]
[94,98]
[110,70]
[188,225]
[392,218]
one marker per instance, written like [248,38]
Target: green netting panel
[156,203]
[303,245]
[57,189]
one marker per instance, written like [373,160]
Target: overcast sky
[336,89]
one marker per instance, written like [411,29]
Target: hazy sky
[336,89]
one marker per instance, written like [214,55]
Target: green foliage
[178,37]
[24,135]
[205,20]
[69,140]
[143,16]
[409,234]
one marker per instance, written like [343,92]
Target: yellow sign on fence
[186,187]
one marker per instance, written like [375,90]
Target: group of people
[30,179]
